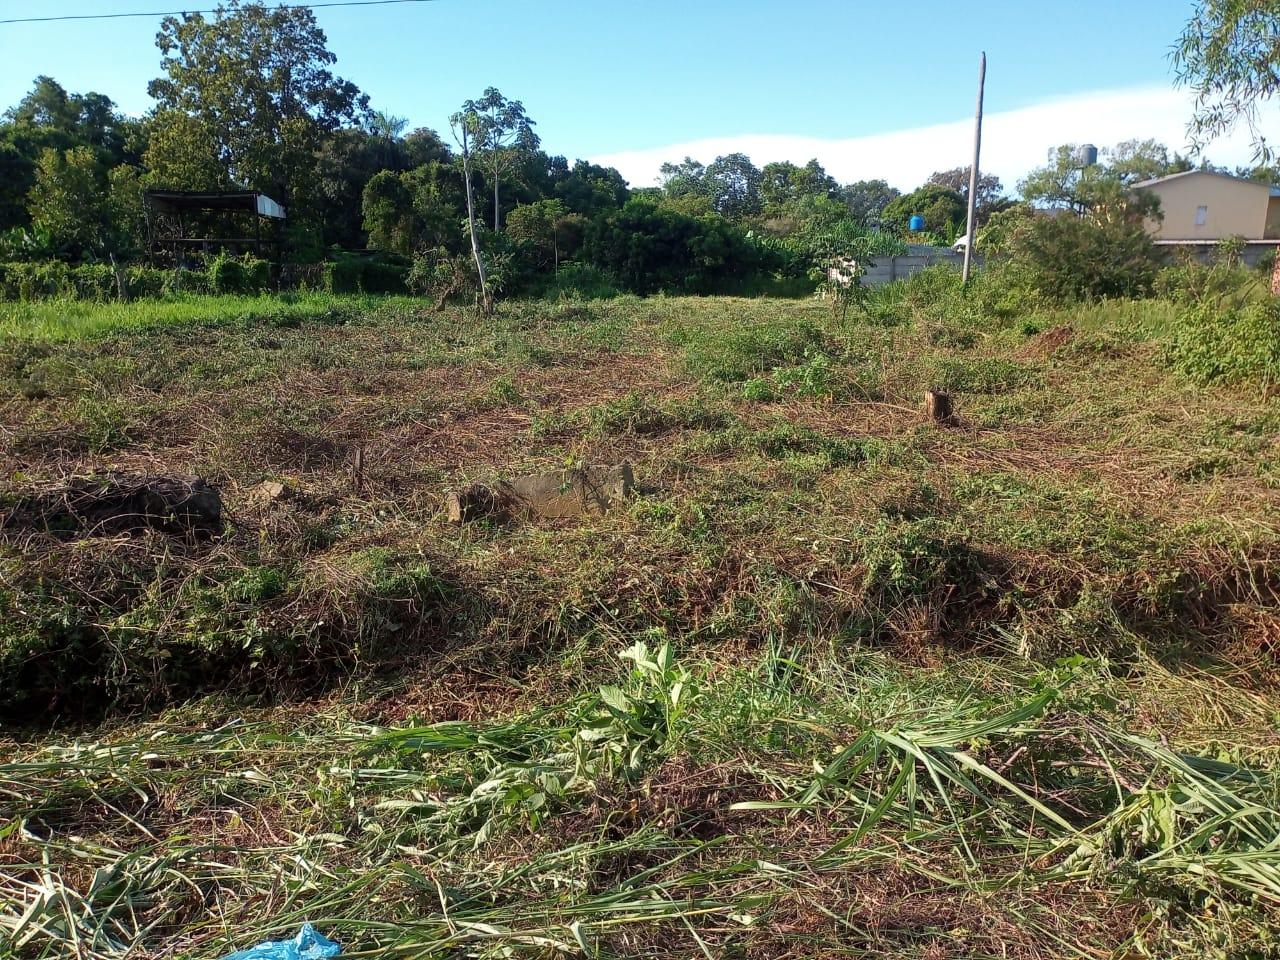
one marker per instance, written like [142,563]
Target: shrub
[1067,258]
[442,277]
[581,281]
[227,274]
[1225,280]
[650,247]
[350,274]
[1210,344]
[55,280]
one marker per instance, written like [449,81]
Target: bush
[442,277]
[1226,280]
[40,280]
[581,281]
[55,280]
[1068,258]
[245,275]
[350,274]
[1210,344]
[650,247]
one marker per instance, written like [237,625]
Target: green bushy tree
[944,211]
[247,97]
[649,246]
[546,232]
[867,199]
[72,203]
[1064,257]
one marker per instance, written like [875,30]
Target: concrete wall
[1273,219]
[888,269]
[1233,208]
[1207,252]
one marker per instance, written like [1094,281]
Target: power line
[174,13]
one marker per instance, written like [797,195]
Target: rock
[590,491]
[267,493]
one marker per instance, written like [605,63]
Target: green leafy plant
[1211,344]
[646,714]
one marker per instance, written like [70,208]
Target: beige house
[1204,207]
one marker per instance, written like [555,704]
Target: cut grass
[1004,689]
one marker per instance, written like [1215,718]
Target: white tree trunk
[486,304]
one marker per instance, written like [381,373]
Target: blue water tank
[917,223]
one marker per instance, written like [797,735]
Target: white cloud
[1013,141]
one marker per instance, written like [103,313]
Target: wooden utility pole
[973,171]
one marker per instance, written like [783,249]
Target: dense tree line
[247,98]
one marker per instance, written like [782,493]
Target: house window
[1202,216]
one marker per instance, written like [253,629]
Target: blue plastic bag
[307,945]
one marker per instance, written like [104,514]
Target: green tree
[345,163]
[1133,161]
[546,231]
[783,184]
[254,84]
[1268,173]
[650,246]
[1065,183]
[730,183]
[75,119]
[413,211]
[1229,55]
[867,199]
[126,187]
[688,178]
[733,184]
[589,189]
[17,174]
[183,154]
[71,201]
[990,191]
[48,117]
[422,146]
[387,207]
[944,211]
[502,135]
[436,190]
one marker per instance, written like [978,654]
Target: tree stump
[937,406]
[589,491]
[1275,275]
[474,503]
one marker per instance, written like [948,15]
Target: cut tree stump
[937,406]
[184,506]
[474,503]
[589,491]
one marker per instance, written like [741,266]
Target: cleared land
[1004,688]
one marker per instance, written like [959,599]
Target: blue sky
[631,82]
